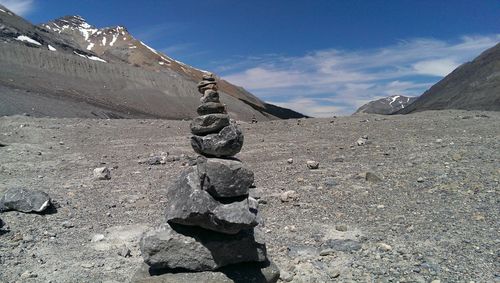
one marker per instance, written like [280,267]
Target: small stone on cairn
[210,218]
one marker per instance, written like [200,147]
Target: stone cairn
[210,217]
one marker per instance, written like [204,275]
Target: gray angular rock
[224,178]
[210,96]
[202,88]
[372,177]
[24,200]
[196,249]
[208,77]
[343,245]
[211,108]
[190,205]
[311,164]
[206,82]
[209,124]
[102,173]
[227,142]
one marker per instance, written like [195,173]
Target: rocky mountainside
[68,68]
[472,86]
[386,105]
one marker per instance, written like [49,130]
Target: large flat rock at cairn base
[227,142]
[197,249]
[188,204]
[24,200]
[265,272]
[224,178]
[209,124]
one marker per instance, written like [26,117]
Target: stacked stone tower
[210,218]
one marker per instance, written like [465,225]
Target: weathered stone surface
[224,178]
[255,272]
[204,86]
[208,77]
[210,96]
[227,142]
[190,205]
[206,82]
[24,200]
[197,249]
[210,108]
[208,124]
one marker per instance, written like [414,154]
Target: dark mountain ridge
[472,86]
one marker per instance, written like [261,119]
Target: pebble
[362,141]
[67,224]
[311,164]
[87,265]
[420,180]
[124,251]
[286,276]
[333,273]
[290,160]
[384,247]
[102,173]
[97,238]
[371,177]
[28,274]
[327,252]
[341,227]
[289,196]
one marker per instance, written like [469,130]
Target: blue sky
[321,57]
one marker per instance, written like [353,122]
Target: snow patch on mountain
[115,37]
[28,39]
[94,58]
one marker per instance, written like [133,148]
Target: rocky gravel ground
[416,201]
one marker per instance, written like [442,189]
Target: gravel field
[417,201]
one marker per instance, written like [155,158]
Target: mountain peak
[387,105]
[73,21]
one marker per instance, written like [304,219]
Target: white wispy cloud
[19,7]
[336,82]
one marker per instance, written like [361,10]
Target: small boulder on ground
[362,141]
[102,173]
[24,200]
[289,196]
[311,164]
[371,177]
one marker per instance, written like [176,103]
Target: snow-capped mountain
[70,68]
[387,105]
[116,44]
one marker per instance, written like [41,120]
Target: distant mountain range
[472,86]
[69,68]
[386,105]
